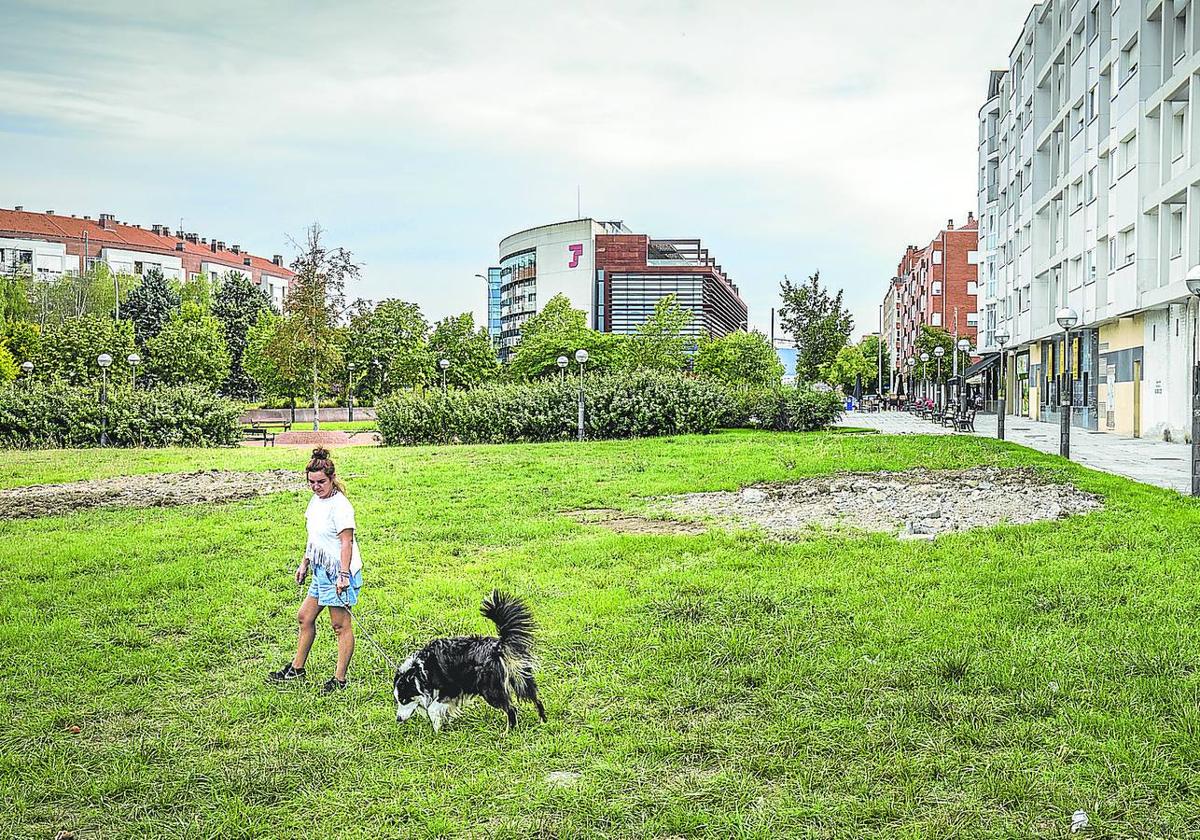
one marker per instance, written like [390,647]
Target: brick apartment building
[936,285]
[48,245]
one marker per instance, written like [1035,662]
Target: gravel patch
[144,491]
[917,504]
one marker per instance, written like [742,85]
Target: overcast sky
[789,136]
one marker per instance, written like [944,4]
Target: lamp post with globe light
[104,360]
[912,364]
[444,364]
[27,369]
[562,363]
[925,376]
[581,356]
[1193,286]
[964,347]
[939,351]
[134,360]
[1002,338]
[1067,319]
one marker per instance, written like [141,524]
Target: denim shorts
[324,589]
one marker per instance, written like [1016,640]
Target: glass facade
[518,297]
[493,281]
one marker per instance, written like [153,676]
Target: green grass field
[725,685]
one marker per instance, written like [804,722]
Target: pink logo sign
[576,253]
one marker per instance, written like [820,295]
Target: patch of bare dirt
[915,504]
[625,523]
[144,491]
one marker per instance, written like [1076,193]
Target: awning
[976,370]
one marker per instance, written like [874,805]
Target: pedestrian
[331,554]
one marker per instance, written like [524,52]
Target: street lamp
[1067,318]
[134,360]
[1002,338]
[925,375]
[912,363]
[444,364]
[939,351]
[27,368]
[581,356]
[562,363]
[104,360]
[1193,286]
[964,347]
[350,392]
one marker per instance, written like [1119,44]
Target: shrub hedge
[641,404]
[35,415]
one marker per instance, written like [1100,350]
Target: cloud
[852,122]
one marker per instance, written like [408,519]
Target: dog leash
[357,623]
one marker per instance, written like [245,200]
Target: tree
[198,290]
[469,351]
[818,322]
[8,365]
[394,334]
[314,307]
[560,330]
[189,350]
[273,359]
[150,305]
[69,350]
[931,338]
[23,339]
[880,370]
[14,298]
[847,366]
[237,306]
[73,295]
[659,342]
[739,358]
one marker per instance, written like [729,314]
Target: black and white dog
[446,672]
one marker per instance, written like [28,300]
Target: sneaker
[333,684]
[287,673]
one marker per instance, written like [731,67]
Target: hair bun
[320,454]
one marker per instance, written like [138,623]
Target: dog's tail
[514,622]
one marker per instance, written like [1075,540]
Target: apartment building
[49,244]
[890,324]
[935,285]
[1088,174]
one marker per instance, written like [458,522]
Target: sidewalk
[1148,461]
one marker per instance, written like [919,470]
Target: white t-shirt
[326,518]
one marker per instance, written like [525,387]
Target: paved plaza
[1149,461]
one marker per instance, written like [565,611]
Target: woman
[332,555]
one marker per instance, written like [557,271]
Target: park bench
[965,422]
[258,433]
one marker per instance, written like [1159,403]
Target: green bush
[784,409]
[641,404]
[35,415]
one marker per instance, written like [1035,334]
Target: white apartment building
[1089,173]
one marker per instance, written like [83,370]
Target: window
[972,288]
[937,257]
[1178,130]
[1113,259]
[937,287]
[1089,266]
[1127,154]
[1127,245]
[1129,62]
[1175,232]
[936,319]
[1077,194]
[1090,186]
[137,268]
[1093,23]
[1092,106]
[1181,34]
[972,319]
